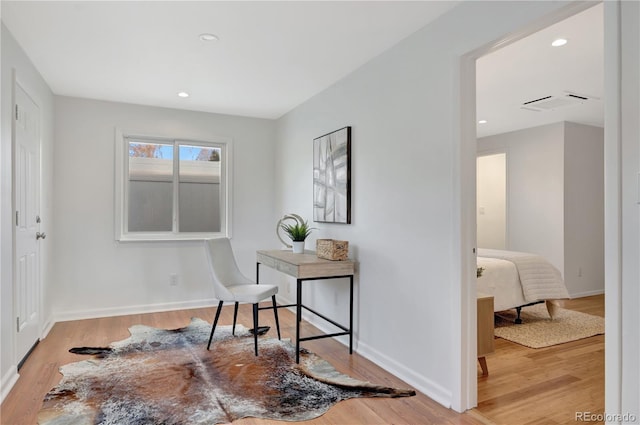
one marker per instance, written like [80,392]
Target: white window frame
[122,191]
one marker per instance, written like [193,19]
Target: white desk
[306,267]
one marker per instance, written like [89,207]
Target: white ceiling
[531,69]
[272,56]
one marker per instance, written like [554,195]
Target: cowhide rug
[159,376]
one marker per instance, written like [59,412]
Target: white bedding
[517,278]
[500,279]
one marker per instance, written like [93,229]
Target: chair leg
[235,316]
[215,322]
[255,327]
[275,313]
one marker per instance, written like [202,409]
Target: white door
[26,117]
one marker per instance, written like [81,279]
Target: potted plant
[298,232]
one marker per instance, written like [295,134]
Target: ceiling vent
[553,103]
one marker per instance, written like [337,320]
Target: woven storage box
[331,249]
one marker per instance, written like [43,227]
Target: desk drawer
[267,261]
[286,268]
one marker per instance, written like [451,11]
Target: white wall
[556,198]
[536,202]
[406,103]
[15,61]
[535,198]
[94,275]
[623,300]
[583,209]
[405,233]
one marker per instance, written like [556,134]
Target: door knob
[40,235]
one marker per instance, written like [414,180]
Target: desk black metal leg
[350,314]
[298,317]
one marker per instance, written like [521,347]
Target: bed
[518,279]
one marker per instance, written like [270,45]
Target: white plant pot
[298,247]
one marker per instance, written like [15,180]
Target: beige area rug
[539,330]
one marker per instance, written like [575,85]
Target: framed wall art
[332,177]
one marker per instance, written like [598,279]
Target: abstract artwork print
[332,177]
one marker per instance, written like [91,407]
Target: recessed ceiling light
[559,42]
[208,37]
[482,122]
[183,94]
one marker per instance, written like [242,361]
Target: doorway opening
[491,195]
[481,212]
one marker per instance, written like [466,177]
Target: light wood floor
[547,386]
[40,372]
[524,386]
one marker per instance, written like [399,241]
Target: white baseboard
[48,325]
[587,293]
[133,309]
[418,382]
[8,381]
[12,375]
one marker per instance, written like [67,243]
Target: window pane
[150,186]
[199,188]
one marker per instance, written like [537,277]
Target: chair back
[223,268]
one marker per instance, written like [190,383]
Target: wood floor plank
[40,372]
[524,386]
[546,385]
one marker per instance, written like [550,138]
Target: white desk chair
[229,284]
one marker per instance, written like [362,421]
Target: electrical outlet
[173,279]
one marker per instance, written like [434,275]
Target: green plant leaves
[297,232]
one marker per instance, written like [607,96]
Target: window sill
[164,237]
